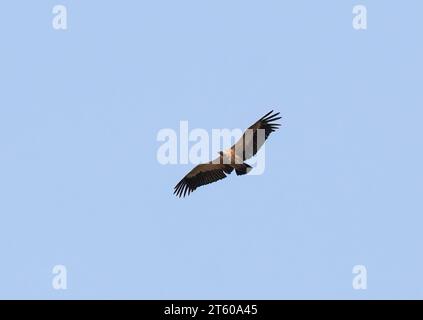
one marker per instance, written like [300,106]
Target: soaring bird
[231,159]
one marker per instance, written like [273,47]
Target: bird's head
[221,153]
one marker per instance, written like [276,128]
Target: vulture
[231,159]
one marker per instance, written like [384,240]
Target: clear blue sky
[80,184]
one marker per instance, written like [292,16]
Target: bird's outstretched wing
[202,174]
[255,136]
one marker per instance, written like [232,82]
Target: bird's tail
[242,169]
